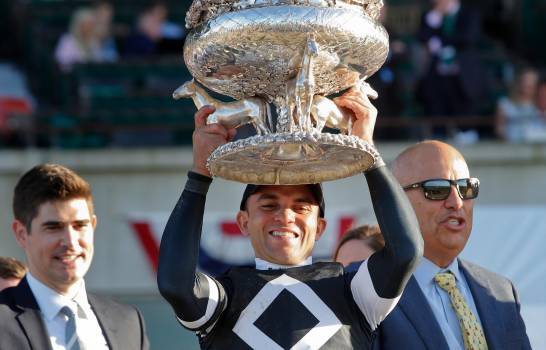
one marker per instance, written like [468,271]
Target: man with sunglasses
[449,303]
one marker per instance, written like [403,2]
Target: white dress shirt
[51,302]
[439,301]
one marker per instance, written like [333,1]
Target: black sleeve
[196,298]
[391,267]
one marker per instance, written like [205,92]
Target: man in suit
[453,81]
[438,184]
[50,308]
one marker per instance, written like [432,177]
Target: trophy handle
[234,114]
[325,112]
[367,89]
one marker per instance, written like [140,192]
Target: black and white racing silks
[318,306]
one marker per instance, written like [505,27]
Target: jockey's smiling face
[283,223]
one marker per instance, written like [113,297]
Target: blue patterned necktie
[71,337]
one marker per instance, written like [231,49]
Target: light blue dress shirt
[439,302]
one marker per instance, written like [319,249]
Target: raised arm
[196,298]
[391,267]
[379,281]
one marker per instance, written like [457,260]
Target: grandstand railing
[55,130]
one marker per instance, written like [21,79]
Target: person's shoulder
[6,295]
[7,303]
[504,102]
[354,266]
[107,303]
[478,268]
[330,265]
[67,39]
[234,272]
[328,269]
[482,273]
[508,107]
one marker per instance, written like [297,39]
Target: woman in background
[84,41]
[359,244]
[517,114]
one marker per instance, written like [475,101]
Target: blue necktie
[71,337]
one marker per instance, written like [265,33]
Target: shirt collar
[425,272]
[51,301]
[266,265]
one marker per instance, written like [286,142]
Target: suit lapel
[416,308]
[106,320]
[492,323]
[30,318]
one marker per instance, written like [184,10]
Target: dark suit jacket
[21,325]
[412,325]
[465,39]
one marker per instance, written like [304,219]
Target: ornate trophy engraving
[286,54]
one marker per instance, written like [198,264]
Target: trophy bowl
[289,54]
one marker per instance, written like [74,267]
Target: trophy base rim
[292,158]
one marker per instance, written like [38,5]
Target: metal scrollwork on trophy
[290,54]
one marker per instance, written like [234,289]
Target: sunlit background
[106,111]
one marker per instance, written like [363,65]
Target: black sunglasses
[439,189]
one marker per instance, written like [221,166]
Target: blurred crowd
[90,38]
[455,81]
[452,85]
[459,73]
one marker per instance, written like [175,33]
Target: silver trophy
[289,54]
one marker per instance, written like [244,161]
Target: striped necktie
[71,337]
[471,329]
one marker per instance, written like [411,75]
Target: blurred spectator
[359,244]
[541,100]
[453,80]
[148,32]
[388,81]
[539,132]
[84,41]
[16,107]
[517,115]
[104,12]
[11,272]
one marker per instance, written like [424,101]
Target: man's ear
[321,226]
[242,222]
[94,222]
[20,232]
